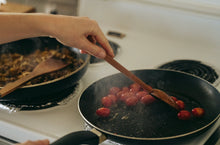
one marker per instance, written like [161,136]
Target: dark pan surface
[42,92]
[157,121]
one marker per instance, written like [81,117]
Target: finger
[43,142]
[102,40]
[38,142]
[83,52]
[93,49]
[105,45]
[28,142]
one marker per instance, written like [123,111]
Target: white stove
[154,34]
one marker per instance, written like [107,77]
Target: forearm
[19,26]
[69,30]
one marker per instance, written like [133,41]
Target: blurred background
[66,7]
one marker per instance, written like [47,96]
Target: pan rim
[152,139]
[141,138]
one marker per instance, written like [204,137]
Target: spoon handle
[130,75]
[10,87]
[155,92]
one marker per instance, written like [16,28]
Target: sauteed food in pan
[133,97]
[14,65]
[156,123]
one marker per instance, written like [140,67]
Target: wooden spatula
[155,92]
[44,67]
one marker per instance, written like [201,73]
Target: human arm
[70,30]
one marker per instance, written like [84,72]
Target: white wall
[138,15]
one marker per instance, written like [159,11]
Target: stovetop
[57,121]
[154,35]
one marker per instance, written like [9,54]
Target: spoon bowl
[47,66]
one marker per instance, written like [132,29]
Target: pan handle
[77,138]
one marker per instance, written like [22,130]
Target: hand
[70,30]
[38,142]
[74,32]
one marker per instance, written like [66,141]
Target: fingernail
[101,54]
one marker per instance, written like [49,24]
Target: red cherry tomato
[135,87]
[126,95]
[113,98]
[141,94]
[174,98]
[123,97]
[125,89]
[184,115]
[181,104]
[106,101]
[103,112]
[198,112]
[114,90]
[147,99]
[131,101]
[118,95]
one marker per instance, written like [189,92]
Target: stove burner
[60,98]
[193,67]
[114,47]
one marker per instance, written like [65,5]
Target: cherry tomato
[181,104]
[126,95]
[135,87]
[125,89]
[103,112]
[174,98]
[184,115]
[198,112]
[141,94]
[123,97]
[147,99]
[131,101]
[118,95]
[106,101]
[113,98]
[114,90]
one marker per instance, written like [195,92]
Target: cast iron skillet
[38,93]
[155,123]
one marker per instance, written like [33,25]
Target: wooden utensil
[44,67]
[17,8]
[155,92]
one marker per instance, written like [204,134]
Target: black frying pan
[154,123]
[45,92]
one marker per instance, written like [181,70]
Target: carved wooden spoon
[44,67]
[155,92]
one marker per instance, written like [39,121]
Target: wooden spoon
[44,67]
[155,92]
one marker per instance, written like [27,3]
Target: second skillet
[156,123]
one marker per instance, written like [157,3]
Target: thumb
[43,142]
